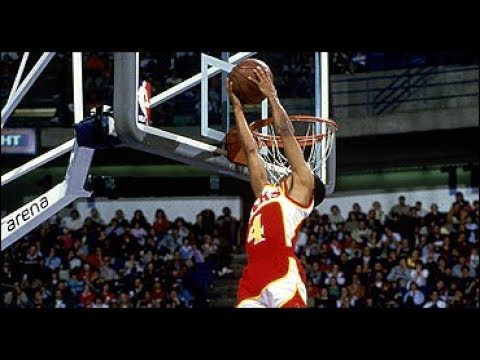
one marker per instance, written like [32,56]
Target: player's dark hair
[318,191]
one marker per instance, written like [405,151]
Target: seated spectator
[96,217]
[379,213]
[403,248]
[106,271]
[471,230]
[457,268]
[419,275]
[399,271]
[457,301]
[357,209]
[356,290]
[345,301]
[32,258]
[362,233]
[114,229]
[139,233]
[186,251]
[124,301]
[183,230]
[435,217]
[59,302]
[352,222]
[76,286]
[420,211]
[460,201]
[161,223]
[100,304]
[372,221]
[315,274]
[414,297]
[473,259]
[333,288]
[313,248]
[121,220]
[465,278]
[168,243]
[197,254]
[107,294]
[302,238]
[87,297]
[53,261]
[325,300]
[16,298]
[393,237]
[400,209]
[335,215]
[139,218]
[73,222]
[173,301]
[435,301]
[132,266]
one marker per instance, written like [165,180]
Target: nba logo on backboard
[144,94]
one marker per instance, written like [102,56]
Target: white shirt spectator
[440,304]
[339,302]
[59,304]
[301,240]
[395,236]
[339,276]
[420,277]
[138,233]
[336,218]
[75,262]
[336,249]
[72,224]
[417,295]
[100,306]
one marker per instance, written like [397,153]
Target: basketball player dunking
[274,277]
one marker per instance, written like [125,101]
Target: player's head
[318,191]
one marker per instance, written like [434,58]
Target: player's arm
[256,166]
[302,174]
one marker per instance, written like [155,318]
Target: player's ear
[319,191]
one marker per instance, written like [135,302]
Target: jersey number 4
[256,230]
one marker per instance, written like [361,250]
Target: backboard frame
[188,150]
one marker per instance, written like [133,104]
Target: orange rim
[303,140]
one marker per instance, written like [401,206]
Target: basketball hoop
[314,135]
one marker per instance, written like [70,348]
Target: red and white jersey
[275,220]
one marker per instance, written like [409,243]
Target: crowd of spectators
[70,262]
[406,257]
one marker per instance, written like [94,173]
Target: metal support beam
[21,67]
[37,162]
[225,105]
[125,108]
[77,71]
[207,60]
[31,215]
[194,80]
[26,85]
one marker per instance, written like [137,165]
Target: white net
[314,135]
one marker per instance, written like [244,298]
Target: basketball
[246,90]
